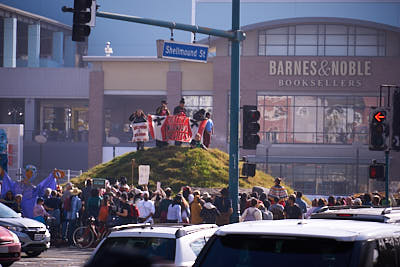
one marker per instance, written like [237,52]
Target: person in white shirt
[174,214]
[252,213]
[146,209]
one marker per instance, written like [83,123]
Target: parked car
[316,242]
[373,214]
[10,247]
[33,235]
[165,243]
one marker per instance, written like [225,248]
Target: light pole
[40,139]
[357,145]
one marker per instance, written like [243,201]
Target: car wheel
[33,253]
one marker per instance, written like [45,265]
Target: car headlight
[14,228]
[15,237]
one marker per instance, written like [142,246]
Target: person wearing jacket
[138,117]
[209,213]
[195,208]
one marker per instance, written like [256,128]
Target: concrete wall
[44,83]
[72,156]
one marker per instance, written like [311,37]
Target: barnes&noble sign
[325,73]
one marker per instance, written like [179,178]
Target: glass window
[63,121]
[194,103]
[160,249]
[250,250]
[329,40]
[311,119]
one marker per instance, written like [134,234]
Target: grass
[176,167]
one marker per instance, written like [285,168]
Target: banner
[177,128]
[140,132]
[174,127]
[198,127]
[155,124]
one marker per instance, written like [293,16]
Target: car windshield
[6,212]
[243,251]
[158,249]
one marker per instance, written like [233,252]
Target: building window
[194,103]
[64,122]
[322,40]
[321,178]
[315,119]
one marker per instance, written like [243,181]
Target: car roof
[318,228]
[159,230]
[373,214]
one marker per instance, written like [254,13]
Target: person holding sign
[139,128]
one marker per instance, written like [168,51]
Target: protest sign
[144,174]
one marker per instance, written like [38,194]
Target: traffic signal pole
[236,36]
[387,162]
[234,115]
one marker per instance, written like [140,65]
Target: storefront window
[315,119]
[322,40]
[194,103]
[65,122]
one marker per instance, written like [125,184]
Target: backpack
[277,213]
[133,212]
[267,215]
[67,203]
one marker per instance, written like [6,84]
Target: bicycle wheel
[83,237]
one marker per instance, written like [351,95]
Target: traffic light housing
[251,127]
[84,17]
[377,171]
[378,129]
[249,169]
[396,121]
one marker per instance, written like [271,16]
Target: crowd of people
[199,140]
[119,204]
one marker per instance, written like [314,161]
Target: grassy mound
[175,167]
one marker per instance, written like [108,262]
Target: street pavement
[57,257]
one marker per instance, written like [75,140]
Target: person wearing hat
[180,109]
[163,109]
[73,213]
[278,191]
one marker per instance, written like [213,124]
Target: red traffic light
[379,117]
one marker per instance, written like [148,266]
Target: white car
[316,242]
[173,244]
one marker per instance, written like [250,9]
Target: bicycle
[90,235]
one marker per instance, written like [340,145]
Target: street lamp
[15,113]
[40,139]
[113,141]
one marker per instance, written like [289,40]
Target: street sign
[182,51]
[99,182]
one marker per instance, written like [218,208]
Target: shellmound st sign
[325,73]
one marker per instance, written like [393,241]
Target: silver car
[33,235]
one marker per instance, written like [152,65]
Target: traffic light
[378,129]
[377,171]
[396,121]
[84,17]
[249,169]
[251,127]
